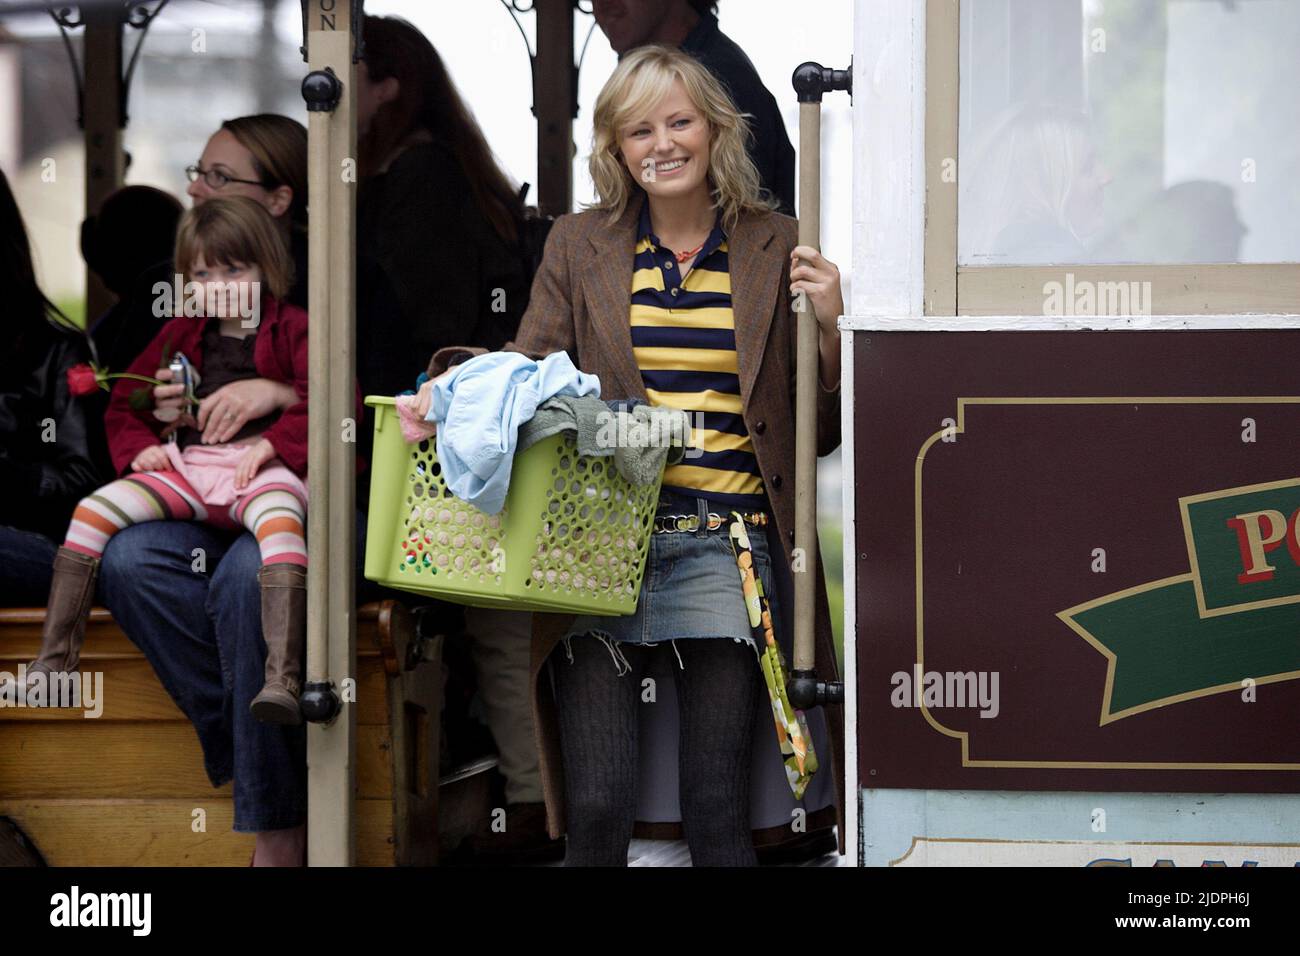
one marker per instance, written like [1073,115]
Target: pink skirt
[210,470]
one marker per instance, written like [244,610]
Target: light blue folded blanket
[479,409]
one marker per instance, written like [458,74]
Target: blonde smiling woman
[675,288]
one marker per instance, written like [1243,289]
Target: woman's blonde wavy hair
[642,78]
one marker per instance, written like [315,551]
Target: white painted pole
[331,513]
[888,262]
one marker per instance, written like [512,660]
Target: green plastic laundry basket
[572,537]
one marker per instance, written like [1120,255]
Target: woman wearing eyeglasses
[263,157]
[199,624]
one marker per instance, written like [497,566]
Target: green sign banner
[1232,623]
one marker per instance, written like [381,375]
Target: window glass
[1129,131]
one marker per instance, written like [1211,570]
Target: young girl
[230,251]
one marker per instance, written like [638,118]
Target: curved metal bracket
[139,17]
[577,70]
[64,20]
[514,7]
[133,13]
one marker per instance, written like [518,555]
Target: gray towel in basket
[638,462]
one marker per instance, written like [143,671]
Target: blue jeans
[691,587]
[26,566]
[202,633]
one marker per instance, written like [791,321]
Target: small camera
[183,373]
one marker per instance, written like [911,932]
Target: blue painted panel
[892,818]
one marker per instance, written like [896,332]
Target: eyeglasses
[217,179]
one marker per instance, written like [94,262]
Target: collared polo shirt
[684,341]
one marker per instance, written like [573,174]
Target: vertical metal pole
[805,415]
[102,124]
[810,80]
[339,739]
[331,513]
[554,97]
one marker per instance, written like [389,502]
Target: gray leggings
[719,689]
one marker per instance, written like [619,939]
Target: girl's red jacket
[279,353]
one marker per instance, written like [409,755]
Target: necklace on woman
[683,256]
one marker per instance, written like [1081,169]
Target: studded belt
[672,524]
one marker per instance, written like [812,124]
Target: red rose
[82,379]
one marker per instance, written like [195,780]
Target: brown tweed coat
[580,303]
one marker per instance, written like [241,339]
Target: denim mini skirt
[691,587]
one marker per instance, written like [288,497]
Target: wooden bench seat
[128,788]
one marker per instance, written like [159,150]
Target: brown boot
[284,627]
[72,593]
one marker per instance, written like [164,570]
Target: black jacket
[52,446]
[420,224]
[771,150]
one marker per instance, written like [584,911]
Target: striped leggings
[273,511]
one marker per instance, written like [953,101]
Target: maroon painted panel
[1016,508]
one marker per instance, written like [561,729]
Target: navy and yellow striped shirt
[684,340]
